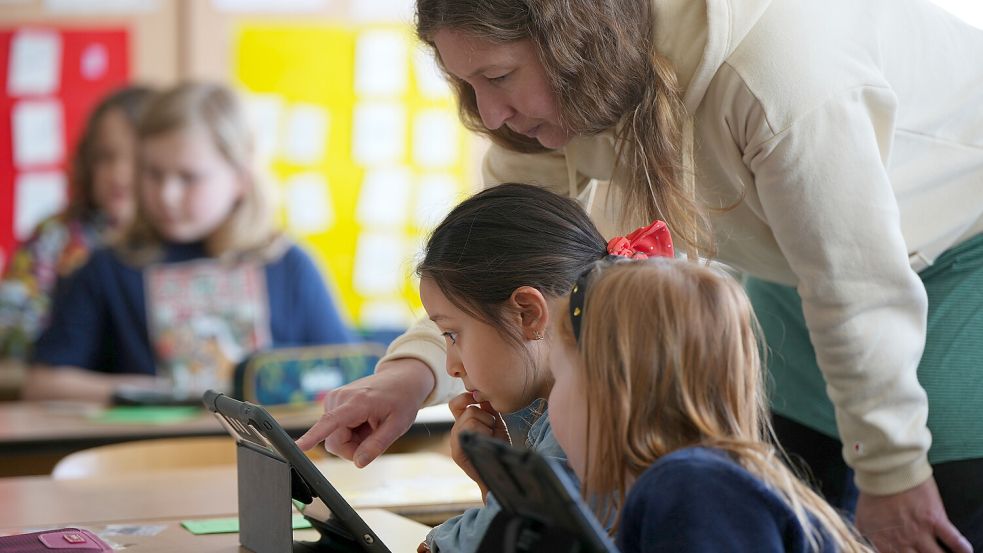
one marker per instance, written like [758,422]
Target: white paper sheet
[38,133]
[429,79]
[101,6]
[264,112]
[380,263]
[305,134]
[435,138]
[436,196]
[394,11]
[276,6]
[385,314]
[379,133]
[36,197]
[94,62]
[381,63]
[307,199]
[35,63]
[384,198]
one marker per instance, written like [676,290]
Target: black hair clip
[577,296]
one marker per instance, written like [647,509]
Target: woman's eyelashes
[499,78]
[452,336]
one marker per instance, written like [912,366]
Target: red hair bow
[645,242]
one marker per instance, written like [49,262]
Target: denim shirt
[463,533]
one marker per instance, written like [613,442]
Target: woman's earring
[537,335]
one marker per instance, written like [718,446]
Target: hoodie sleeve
[826,196]
[423,342]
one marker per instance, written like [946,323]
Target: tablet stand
[266,485]
[516,534]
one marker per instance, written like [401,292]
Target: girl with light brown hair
[659,402]
[201,280]
[100,207]
[828,150]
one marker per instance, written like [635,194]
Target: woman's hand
[479,418]
[363,418]
[912,520]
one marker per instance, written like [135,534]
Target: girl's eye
[190,178]
[450,336]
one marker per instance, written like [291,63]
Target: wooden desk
[35,435]
[397,533]
[423,486]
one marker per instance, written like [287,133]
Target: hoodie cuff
[897,480]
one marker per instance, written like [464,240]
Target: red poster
[92,63]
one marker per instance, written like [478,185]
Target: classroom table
[424,486]
[396,532]
[35,435]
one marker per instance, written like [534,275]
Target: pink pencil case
[64,539]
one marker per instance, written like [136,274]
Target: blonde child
[659,403]
[101,205]
[201,279]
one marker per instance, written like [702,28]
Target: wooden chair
[147,455]
[151,455]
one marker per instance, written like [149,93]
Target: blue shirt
[99,320]
[697,499]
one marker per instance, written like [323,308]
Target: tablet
[253,427]
[541,506]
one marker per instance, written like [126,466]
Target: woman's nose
[494,109]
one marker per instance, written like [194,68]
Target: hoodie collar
[697,37]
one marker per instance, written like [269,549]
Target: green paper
[231,525]
[147,415]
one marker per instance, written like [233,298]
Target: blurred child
[101,204]
[659,402]
[200,279]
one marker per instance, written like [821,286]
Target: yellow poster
[361,136]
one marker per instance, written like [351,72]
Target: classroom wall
[357,130]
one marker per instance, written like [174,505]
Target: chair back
[147,455]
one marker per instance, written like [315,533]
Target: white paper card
[263,112]
[384,199]
[435,139]
[278,6]
[305,134]
[379,263]
[38,133]
[308,203]
[436,196]
[101,6]
[94,62]
[381,63]
[386,314]
[397,11]
[35,63]
[37,197]
[429,78]
[379,134]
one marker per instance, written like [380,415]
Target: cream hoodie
[854,129]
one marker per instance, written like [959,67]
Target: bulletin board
[49,80]
[359,132]
[58,58]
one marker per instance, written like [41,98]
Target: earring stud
[537,335]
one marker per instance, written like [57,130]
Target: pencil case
[63,539]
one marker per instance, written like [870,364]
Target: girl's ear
[532,310]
